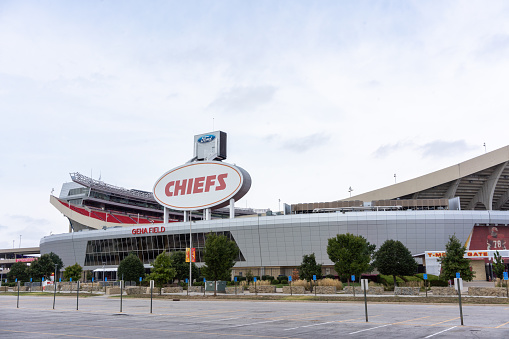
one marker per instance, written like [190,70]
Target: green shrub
[408,278]
[240,278]
[389,281]
[438,283]
[283,279]
[267,277]
[274,282]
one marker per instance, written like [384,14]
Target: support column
[232,208]
[485,193]
[208,214]
[186,216]
[165,215]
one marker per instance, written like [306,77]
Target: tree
[45,265]
[162,272]
[73,271]
[131,268]
[219,257]
[182,267]
[350,253]
[18,271]
[498,265]
[393,258]
[455,261]
[309,267]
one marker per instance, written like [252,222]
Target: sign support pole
[77,294]
[55,287]
[457,284]
[121,292]
[17,305]
[151,289]
[190,250]
[365,299]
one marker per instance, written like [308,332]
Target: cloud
[441,148]
[303,144]
[242,99]
[388,149]
[25,219]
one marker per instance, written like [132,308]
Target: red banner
[494,238]
[193,254]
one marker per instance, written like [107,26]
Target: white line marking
[287,329]
[369,329]
[210,321]
[261,322]
[429,336]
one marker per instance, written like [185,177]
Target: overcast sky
[316,96]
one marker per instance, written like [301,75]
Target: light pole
[190,250]
[55,286]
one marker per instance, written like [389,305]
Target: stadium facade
[469,200]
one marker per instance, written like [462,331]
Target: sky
[315,96]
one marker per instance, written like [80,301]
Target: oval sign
[206,138]
[201,185]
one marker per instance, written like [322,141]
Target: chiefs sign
[201,185]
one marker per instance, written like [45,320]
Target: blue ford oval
[206,138]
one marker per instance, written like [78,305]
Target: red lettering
[198,185]
[150,230]
[220,180]
[209,182]
[134,231]
[163,229]
[138,231]
[144,231]
[189,186]
[469,254]
[167,188]
[180,187]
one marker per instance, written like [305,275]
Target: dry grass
[331,282]
[304,283]
[412,284]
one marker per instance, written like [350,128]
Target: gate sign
[200,185]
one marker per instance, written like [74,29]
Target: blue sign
[254,279]
[140,279]
[206,138]
[204,280]
[235,279]
[314,277]
[353,277]
[70,279]
[457,275]
[289,278]
[506,276]
[16,280]
[92,279]
[42,279]
[425,276]
[105,278]
[186,280]
[30,279]
[59,279]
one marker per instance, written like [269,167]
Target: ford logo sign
[206,138]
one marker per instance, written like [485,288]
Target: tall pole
[190,250]
[55,286]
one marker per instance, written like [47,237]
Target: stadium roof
[481,183]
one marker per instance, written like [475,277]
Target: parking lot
[99,317]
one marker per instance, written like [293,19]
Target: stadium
[469,200]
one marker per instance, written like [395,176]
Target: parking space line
[502,325]
[400,322]
[369,329]
[431,335]
[260,322]
[445,321]
[288,329]
[209,321]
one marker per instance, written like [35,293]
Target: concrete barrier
[112,290]
[135,290]
[487,291]
[196,289]
[295,290]
[231,290]
[263,289]
[325,290]
[406,290]
[173,289]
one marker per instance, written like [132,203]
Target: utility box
[221,286]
